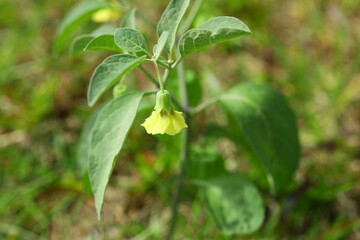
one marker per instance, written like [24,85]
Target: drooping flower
[164,119]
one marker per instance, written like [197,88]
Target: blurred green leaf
[193,85]
[75,17]
[130,40]
[213,31]
[103,29]
[170,21]
[268,125]
[234,204]
[129,20]
[194,88]
[79,43]
[205,163]
[109,132]
[103,43]
[106,74]
[101,39]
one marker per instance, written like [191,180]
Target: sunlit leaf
[108,72]
[170,21]
[130,40]
[83,150]
[213,31]
[109,132]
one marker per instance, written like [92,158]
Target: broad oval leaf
[76,16]
[108,72]
[108,135]
[213,31]
[103,43]
[170,21]
[129,19]
[264,119]
[130,40]
[234,204]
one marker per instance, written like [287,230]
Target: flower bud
[119,90]
[163,101]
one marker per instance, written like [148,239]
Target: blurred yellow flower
[161,122]
[106,15]
[164,119]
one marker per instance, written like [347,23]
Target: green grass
[307,49]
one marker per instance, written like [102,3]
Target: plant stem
[159,77]
[184,154]
[161,63]
[179,64]
[164,65]
[166,75]
[174,65]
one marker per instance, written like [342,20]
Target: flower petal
[162,122]
[177,123]
[151,122]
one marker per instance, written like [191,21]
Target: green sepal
[163,101]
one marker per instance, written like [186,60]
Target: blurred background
[307,49]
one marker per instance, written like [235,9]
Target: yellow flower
[105,15]
[164,119]
[161,122]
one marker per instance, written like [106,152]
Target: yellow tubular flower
[164,120]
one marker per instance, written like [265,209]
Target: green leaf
[213,31]
[158,48]
[234,204]
[83,150]
[110,130]
[100,39]
[205,162]
[130,40]
[263,117]
[76,16]
[129,20]
[170,21]
[79,43]
[194,88]
[103,43]
[103,29]
[108,72]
